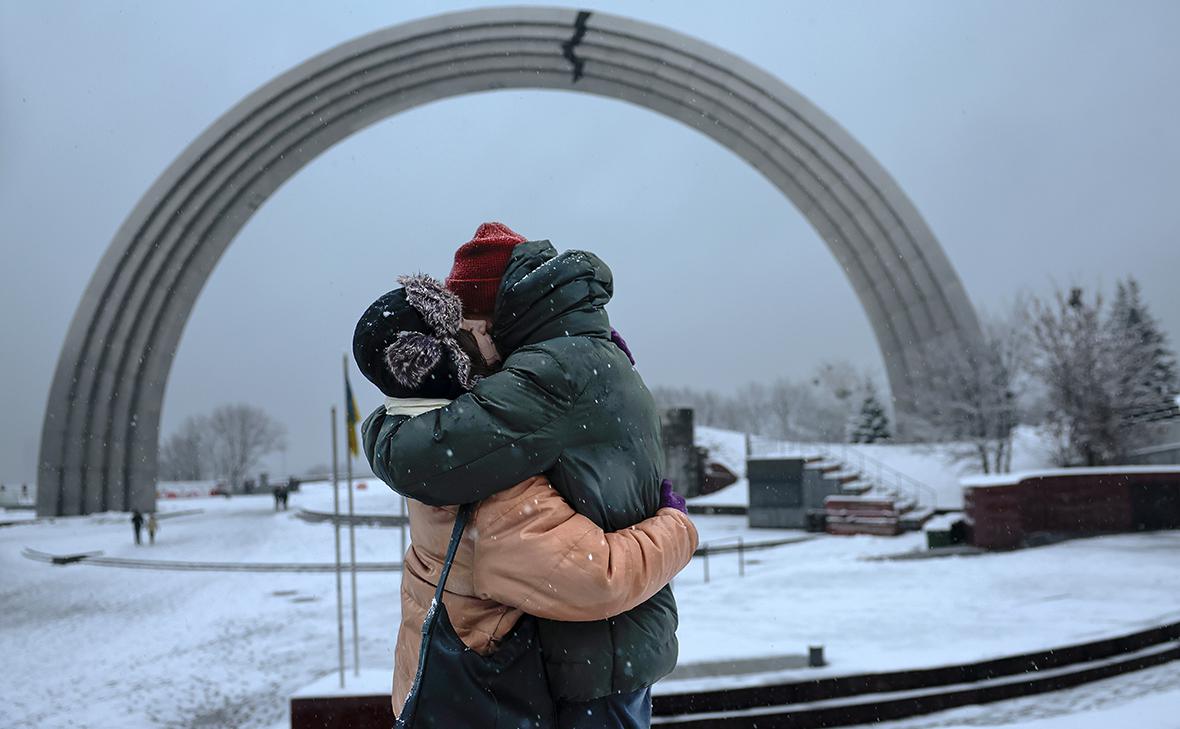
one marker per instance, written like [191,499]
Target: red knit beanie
[479,266]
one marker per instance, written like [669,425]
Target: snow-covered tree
[1149,382]
[818,409]
[832,408]
[1074,360]
[185,455]
[1102,371]
[873,424]
[764,409]
[971,396]
[225,444]
[240,435]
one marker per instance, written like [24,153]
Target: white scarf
[412,406]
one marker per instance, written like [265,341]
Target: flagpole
[336,528]
[356,641]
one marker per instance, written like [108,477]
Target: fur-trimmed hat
[405,341]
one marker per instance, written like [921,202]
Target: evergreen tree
[873,423]
[1148,369]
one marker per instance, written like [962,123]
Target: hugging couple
[544,536]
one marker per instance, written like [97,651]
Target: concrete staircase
[865,496]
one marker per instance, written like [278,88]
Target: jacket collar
[412,406]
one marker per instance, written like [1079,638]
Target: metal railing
[704,550]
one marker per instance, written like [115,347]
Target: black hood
[544,295]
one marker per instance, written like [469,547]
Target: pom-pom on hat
[479,266]
[405,342]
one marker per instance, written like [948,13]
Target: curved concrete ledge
[99,439]
[831,702]
[874,697]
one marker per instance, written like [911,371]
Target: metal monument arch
[101,430]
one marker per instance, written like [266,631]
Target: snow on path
[1148,699]
[90,647]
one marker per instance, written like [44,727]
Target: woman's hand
[669,499]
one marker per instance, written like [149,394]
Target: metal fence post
[705,558]
[741,558]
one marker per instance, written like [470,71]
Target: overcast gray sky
[1039,140]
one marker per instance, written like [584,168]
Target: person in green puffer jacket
[569,403]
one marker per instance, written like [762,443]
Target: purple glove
[669,499]
[618,340]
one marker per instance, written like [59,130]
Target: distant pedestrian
[153,525]
[278,494]
[137,525]
[284,493]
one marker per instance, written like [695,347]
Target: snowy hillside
[729,449]
[929,464]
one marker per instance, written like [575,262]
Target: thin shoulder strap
[461,520]
[411,705]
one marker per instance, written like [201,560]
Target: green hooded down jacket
[569,404]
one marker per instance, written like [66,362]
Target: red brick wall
[1078,504]
[1005,517]
[997,516]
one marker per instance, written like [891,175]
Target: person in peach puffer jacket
[526,551]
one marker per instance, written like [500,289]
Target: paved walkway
[96,559]
[375,520]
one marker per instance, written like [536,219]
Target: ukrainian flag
[353,415]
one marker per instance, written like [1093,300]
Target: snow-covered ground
[1147,699]
[875,615]
[930,464]
[89,646]
[11,515]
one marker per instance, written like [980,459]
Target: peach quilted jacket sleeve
[534,552]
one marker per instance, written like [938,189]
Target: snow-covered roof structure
[1009,479]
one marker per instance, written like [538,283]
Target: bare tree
[829,412]
[786,402]
[185,455]
[705,404]
[972,398]
[240,436]
[818,409]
